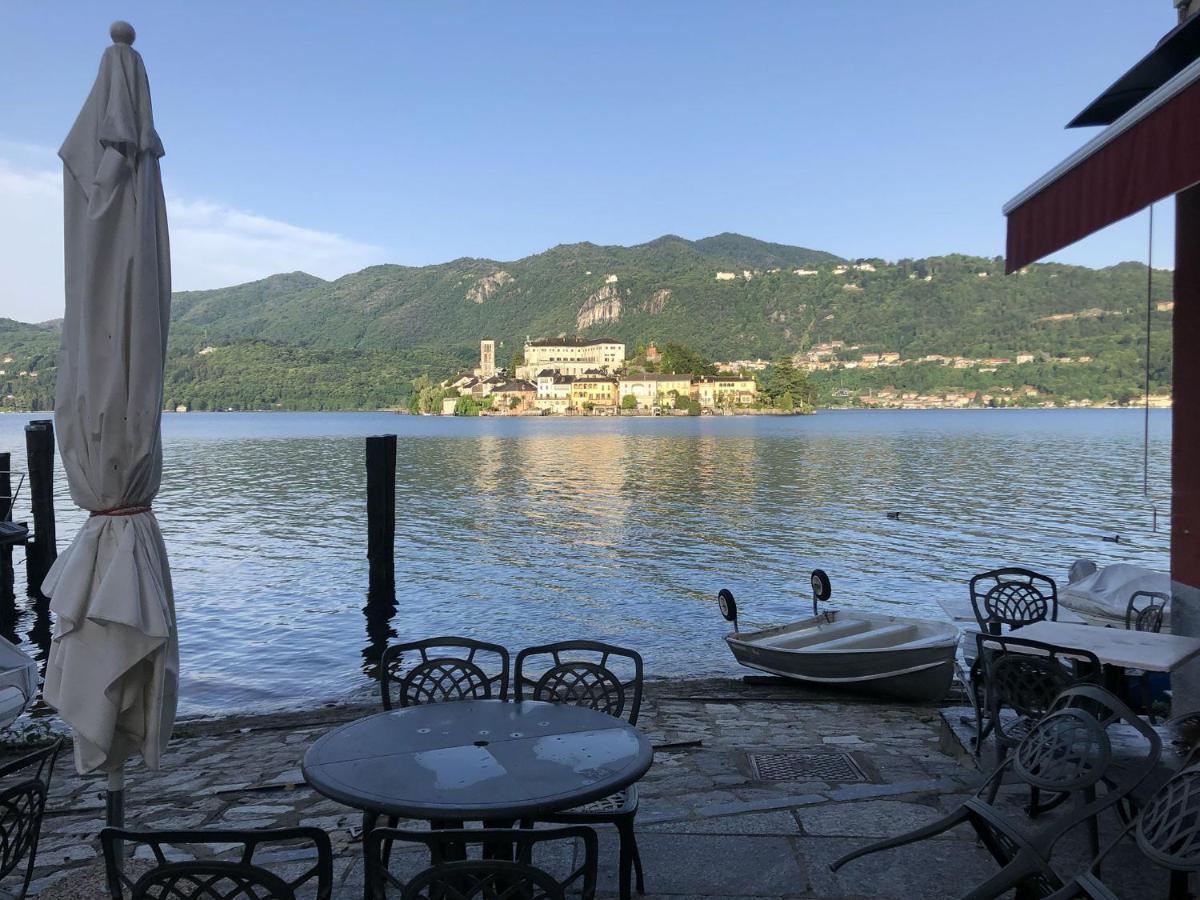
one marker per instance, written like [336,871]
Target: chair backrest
[1027,677]
[584,673]
[503,870]
[444,669]
[214,878]
[1114,716]
[1145,610]
[1014,597]
[1168,830]
[24,784]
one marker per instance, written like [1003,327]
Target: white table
[1116,646]
[960,610]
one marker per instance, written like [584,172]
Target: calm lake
[528,530]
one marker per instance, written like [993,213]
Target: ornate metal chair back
[1110,711]
[585,673]
[24,784]
[219,879]
[1027,677]
[1146,610]
[509,875]
[444,669]
[1168,830]
[1014,597]
[1068,750]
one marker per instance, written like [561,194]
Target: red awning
[1151,152]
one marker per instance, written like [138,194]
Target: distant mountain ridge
[296,340]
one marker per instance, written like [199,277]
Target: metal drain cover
[801,766]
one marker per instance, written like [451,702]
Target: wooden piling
[8,599]
[42,549]
[381,515]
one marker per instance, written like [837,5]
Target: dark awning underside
[1174,53]
[1152,151]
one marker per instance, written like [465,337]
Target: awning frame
[1171,89]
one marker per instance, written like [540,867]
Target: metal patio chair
[1145,610]
[1168,834]
[449,668]
[583,673]
[1068,752]
[24,784]
[1021,679]
[502,870]
[211,878]
[1014,597]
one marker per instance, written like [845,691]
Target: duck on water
[891,656]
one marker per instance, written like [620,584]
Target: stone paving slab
[706,827]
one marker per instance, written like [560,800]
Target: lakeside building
[515,396]
[651,389]
[725,390]
[598,390]
[573,356]
[554,391]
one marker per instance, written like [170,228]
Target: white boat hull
[893,656]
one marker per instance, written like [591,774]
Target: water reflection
[532,530]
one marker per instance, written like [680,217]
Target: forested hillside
[296,341]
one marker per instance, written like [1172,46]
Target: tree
[786,403]
[629,402]
[784,378]
[693,407]
[518,359]
[676,359]
[514,402]
[466,406]
[681,400]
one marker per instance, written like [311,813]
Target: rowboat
[18,682]
[891,656]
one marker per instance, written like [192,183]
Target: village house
[571,356]
[554,391]
[600,391]
[515,396]
[651,389]
[713,391]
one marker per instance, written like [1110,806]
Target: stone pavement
[710,824]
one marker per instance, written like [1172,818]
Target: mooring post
[8,598]
[381,515]
[42,550]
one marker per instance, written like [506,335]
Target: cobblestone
[706,828]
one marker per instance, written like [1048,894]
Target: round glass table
[477,760]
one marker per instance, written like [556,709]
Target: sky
[325,138]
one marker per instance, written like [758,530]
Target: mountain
[295,340]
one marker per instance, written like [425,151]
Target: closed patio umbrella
[114,661]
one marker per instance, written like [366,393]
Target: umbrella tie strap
[121,511]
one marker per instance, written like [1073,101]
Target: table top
[477,759]
[1116,646]
[960,610]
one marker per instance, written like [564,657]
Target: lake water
[528,530]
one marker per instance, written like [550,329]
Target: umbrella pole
[114,810]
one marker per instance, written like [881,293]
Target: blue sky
[326,138]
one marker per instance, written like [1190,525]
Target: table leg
[370,820]
[1116,682]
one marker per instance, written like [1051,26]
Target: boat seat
[790,640]
[887,636]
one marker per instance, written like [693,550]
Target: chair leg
[944,824]
[628,858]
[1001,756]
[640,881]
